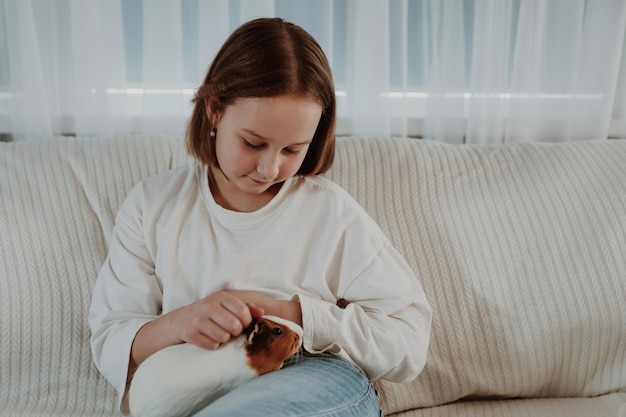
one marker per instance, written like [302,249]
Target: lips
[259,182]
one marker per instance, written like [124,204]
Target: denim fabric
[308,385]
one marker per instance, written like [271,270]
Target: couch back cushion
[520,249]
[58,199]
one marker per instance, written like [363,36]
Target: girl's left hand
[289,310]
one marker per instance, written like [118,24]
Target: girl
[251,229]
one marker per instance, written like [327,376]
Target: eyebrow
[253,133]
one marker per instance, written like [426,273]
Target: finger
[206,342]
[225,309]
[239,310]
[204,331]
[224,326]
[256,312]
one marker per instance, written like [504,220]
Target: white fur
[181,379]
[288,323]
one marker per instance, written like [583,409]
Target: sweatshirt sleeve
[384,329]
[126,295]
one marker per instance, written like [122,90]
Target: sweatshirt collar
[240,220]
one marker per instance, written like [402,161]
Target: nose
[269,165]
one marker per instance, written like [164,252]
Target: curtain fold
[538,70]
[97,67]
[460,71]
[33,107]
[367,73]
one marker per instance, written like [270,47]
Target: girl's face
[260,143]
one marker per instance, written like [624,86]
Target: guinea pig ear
[256,328]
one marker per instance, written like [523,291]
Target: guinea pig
[181,379]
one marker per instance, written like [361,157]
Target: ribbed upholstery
[58,200]
[521,250]
[605,405]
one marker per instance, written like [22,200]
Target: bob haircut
[266,57]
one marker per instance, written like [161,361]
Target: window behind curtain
[408,45]
[411,33]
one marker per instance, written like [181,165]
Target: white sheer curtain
[533,70]
[475,71]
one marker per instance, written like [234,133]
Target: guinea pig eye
[277,331]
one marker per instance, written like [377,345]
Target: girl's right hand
[213,320]
[208,323]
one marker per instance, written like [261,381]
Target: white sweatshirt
[173,244]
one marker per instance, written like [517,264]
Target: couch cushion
[58,199]
[521,250]
[603,406]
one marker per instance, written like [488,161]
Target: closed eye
[262,146]
[291,151]
[251,145]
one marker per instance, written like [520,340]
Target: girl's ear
[213,107]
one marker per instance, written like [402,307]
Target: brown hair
[263,58]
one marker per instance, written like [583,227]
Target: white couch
[521,250]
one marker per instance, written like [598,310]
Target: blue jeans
[307,385]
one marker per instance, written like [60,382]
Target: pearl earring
[212,133]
